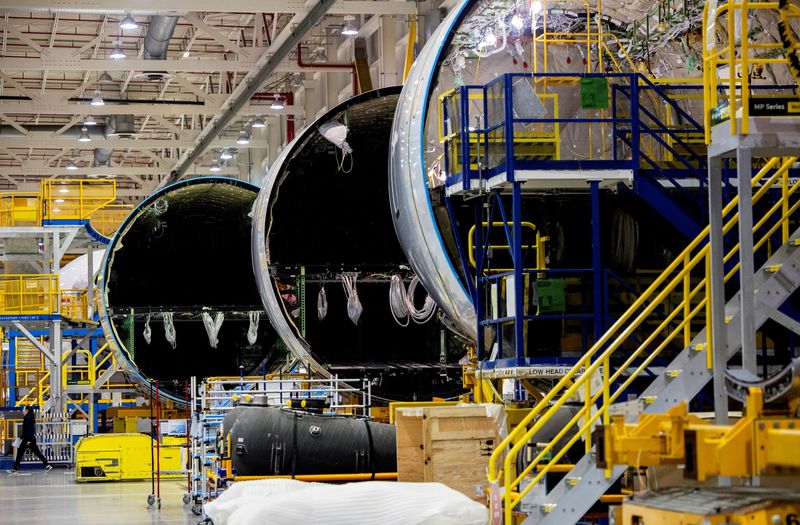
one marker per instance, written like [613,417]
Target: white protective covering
[291,502]
[73,275]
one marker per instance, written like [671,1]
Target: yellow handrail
[675,279]
[738,60]
[107,220]
[75,199]
[29,294]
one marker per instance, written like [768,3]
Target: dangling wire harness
[213,326]
[354,307]
[401,302]
[252,331]
[169,329]
[148,334]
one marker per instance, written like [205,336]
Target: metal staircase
[606,371]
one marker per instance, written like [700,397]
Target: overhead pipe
[248,87]
[305,65]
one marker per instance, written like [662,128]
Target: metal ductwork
[156,42]
[116,126]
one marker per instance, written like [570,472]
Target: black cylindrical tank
[272,441]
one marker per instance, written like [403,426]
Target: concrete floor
[35,497]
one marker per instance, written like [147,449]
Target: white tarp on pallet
[289,502]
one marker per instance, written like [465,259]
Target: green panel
[552,296]
[594,93]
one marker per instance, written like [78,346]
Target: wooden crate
[449,445]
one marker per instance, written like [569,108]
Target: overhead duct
[156,42]
[183,251]
[119,126]
[116,126]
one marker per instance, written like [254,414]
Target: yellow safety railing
[108,219]
[75,199]
[738,57]
[680,322]
[38,394]
[539,245]
[19,209]
[75,304]
[78,374]
[29,294]
[540,140]
[102,360]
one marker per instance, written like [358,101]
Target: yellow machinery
[122,457]
[712,506]
[764,442]
[760,443]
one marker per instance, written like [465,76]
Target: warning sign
[775,107]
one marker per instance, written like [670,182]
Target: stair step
[682,379]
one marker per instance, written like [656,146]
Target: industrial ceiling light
[297,81]
[71,166]
[536,6]
[105,78]
[128,23]
[259,122]
[244,137]
[84,136]
[276,104]
[225,154]
[349,28]
[214,168]
[89,121]
[117,52]
[516,22]
[97,100]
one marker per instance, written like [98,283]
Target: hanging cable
[213,326]
[397,301]
[148,334]
[252,331]
[354,307]
[424,314]
[169,329]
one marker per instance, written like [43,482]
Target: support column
[90,281]
[389,69]
[56,388]
[744,170]
[719,343]
[519,276]
[597,262]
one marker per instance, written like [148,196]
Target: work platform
[38,231]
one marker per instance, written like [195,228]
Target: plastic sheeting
[322,303]
[288,502]
[73,274]
[252,331]
[169,330]
[148,333]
